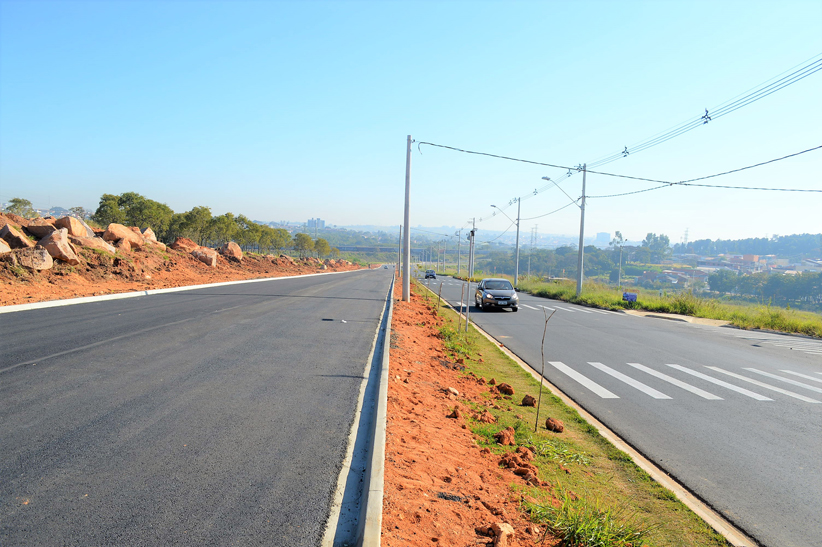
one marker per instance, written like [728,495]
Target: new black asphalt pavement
[217,416]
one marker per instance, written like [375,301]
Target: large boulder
[34,258]
[206,256]
[75,227]
[16,219]
[232,250]
[92,243]
[184,244]
[59,247]
[4,247]
[14,238]
[39,228]
[118,231]
[148,234]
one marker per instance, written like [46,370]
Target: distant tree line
[202,227]
[780,289]
[788,246]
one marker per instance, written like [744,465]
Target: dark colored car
[430,274]
[496,293]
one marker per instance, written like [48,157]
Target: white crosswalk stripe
[764,385]
[722,383]
[527,306]
[802,375]
[678,383]
[565,309]
[547,308]
[648,390]
[786,380]
[590,384]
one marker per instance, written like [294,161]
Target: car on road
[496,293]
[430,274]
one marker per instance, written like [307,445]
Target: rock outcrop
[148,234]
[116,232]
[14,238]
[58,246]
[33,258]
[552,424]
[92,243]
[232,251]
[75,227]
[206,256]
[184,244]
[4,247]
[39,228]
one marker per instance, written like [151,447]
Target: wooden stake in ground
[439,299]
[459,315]
[542,372]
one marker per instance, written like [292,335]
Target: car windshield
[501,285]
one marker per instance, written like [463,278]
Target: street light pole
[581,234]
[516,252]
[406,267]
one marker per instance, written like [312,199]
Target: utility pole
[444,254]
[619,276]
[406,270]
[459,246]
[516,263]
[470,274]
[581,233]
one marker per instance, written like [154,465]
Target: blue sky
[292,110]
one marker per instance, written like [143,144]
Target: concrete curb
[372,531]
[120,296]
[357,519]
[734,536]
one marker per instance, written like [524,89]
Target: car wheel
[515,309]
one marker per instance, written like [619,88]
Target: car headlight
[515,297]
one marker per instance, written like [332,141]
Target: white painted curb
[119,296]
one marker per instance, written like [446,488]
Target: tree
[723,281]
[303,244]
[280,239]
[108,211]
[658,247]
[322,247]
[21,207]
[78,212]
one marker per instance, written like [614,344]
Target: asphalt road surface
[735,416]
[217,416]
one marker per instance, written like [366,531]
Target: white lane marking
[764,385]
[582,310]
[678,383]
[590,384]
[786,380]
[648,390]
[803,375]
[546,307]
[718,382]
[565,309]
[527,306]
[799,346]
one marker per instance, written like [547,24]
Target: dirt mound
[100,272]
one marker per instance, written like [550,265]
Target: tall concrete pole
[581,233]
[459,245]
[406,267]
[516,259]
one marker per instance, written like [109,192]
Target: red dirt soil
[431,457]
[138,271]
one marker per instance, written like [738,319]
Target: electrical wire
[811,66]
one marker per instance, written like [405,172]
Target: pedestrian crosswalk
[810,346]
[709,382]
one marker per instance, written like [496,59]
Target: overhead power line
[781,81]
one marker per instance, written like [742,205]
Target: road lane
[751,452]
[205,417]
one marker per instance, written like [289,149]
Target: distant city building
[603,238]
[317,223]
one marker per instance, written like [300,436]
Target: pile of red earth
[49,259]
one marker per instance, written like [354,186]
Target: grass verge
[597,497]
[743,316]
